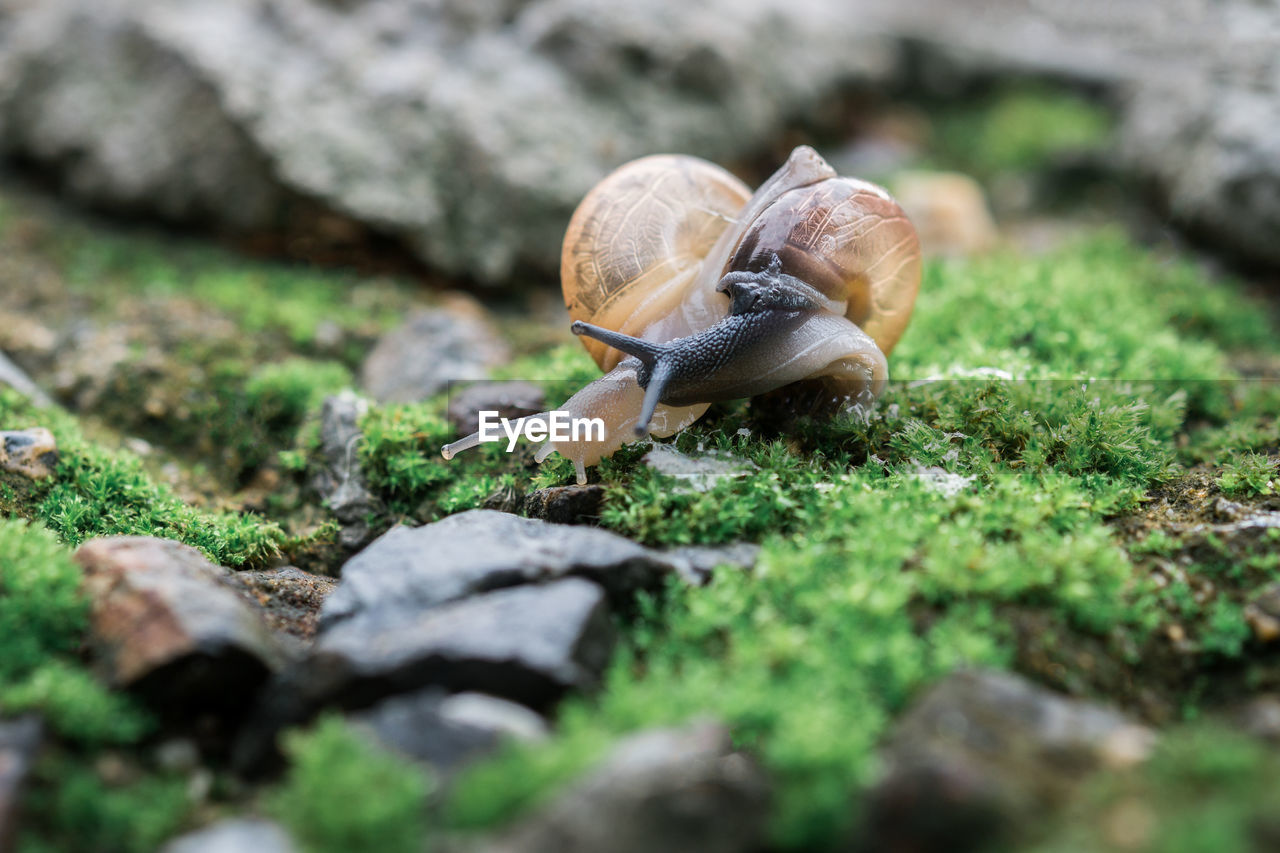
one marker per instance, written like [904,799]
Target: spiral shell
[646,248]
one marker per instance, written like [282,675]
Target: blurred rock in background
[469,130]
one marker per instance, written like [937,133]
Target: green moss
[401,459]
[1206,790]
[77,706]
[343,793]
[100,492]
[72,808]
[1019,129]
[41,610]
[269,298]
[211,404]
[1250,474]
[43,618]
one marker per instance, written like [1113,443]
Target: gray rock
[1198,83]
[338,478]
[1204,132]
[433,348]
[19,742]
[982,752]
[669,790]
[168,623]
[163,143]
[15,378]
[698,472]
[696,563]
[530,644]
[513,399]
[410,569]
[234,835]
[565,504]
[468,130]
[33,453]
[449,731]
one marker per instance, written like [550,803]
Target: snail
[688,289]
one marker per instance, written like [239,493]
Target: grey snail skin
[687,289]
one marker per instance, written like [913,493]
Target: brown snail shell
[640,247]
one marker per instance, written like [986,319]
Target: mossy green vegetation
[212,357]
[97,491]
[345,793]
[73,808]
[1250,474]
[1038,403]
[1018,129]
[1038,398]
[300,302]
[41,611]
[43,617]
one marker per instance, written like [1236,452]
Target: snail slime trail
[688,289]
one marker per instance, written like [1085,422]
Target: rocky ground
[1030,602]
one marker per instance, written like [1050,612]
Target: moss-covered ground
[1102,411]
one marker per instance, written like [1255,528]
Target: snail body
[687,289]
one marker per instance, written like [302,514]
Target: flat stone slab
[410,569]
[530,644]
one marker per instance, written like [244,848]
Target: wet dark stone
[530,644]
[565,504]
[408,569]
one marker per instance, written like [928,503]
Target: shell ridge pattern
[892,250]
